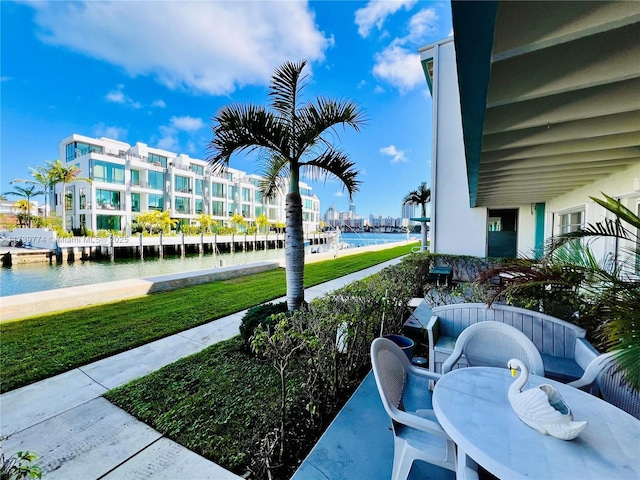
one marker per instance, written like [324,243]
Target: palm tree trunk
[294,251]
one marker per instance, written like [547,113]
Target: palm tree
[26,193]
[420,197]
[292,138]
[61,173]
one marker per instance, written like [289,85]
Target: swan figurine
[542,407]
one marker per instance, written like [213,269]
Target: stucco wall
[457,229]
[624,186]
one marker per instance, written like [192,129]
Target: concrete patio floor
[79,435]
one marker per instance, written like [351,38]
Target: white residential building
[531,118]
[127,180]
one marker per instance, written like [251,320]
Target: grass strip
[40,347]
[219,403]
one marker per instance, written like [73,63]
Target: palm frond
[274,172]
[333,163]
[245,127]
[313,120]
[286,88]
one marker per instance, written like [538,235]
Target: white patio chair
[605,379]
[405,394]
[493,344]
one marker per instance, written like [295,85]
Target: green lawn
[40,347]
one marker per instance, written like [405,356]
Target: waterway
[30,278]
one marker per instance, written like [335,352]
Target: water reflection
[30,278]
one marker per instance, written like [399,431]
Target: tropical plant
[26,193]
[155,221]
[237,220]
[42,176]
[64,174]
[262,223]
[292,138]
[206,223]
[607,290]
[19,466]
[420,197]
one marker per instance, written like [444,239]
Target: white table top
[473,408]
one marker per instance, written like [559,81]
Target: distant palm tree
[291,138]
[64,174]
[420,197]
[41,176]
[27,193]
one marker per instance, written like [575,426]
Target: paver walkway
[80,435]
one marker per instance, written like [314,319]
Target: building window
[246,210]
[182,184]
[198,187]
[217,190]
[218,209]
[231,209]
[68,200]
[78,149]
[199,169]
[571,222]
[182,205]
[156,180]
[135,177]
[233,191]
[308,204]
[135,202]
[108,222]
[157,160]
[273,214]
[259,211]
[108,199]
[83,199]
[108,172]
[155,201]
[246,195]
[199,206]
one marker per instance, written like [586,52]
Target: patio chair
[605,379]
[406,396]
[493,344]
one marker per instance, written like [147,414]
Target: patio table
[473,408]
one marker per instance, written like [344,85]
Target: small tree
[421,196]
[238,221]
[262,222]
[61,173]
[26,193]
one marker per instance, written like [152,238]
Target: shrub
[260,315]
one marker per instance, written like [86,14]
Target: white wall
[456,228]
[624,186]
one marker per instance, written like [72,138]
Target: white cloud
[210,47]
[376,12]
[187,123]
[399,67]
[158,103]
[396,155]
[339,193]
[4,79]
[170,133]
[423,24]
[118,96]
[116,133]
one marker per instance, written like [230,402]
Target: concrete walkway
[80,435]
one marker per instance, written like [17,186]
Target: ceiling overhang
[549,94]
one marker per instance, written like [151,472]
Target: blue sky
[157,71]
